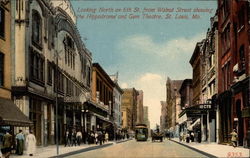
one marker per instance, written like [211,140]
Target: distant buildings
[117,94]
[129,108]
[145,117]
[172,104]
[139,107]
[163,116]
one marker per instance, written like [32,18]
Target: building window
[1,69]
[2,24]
[69,89]
[242,66]
[226,40]
[69,52]
[50,68]
[225,9]
[88,76]
[36,29]
[37,67]
[51,32]
[59,82]
[241,17]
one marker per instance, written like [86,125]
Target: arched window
[69,52]
[36,28]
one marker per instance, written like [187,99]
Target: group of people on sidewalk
[73,138]
[17,144]
[190,137]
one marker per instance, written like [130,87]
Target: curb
[123,141]
[82,150]
[197,150]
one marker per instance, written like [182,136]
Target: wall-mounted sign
[205,106]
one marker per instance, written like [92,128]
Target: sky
[144,51]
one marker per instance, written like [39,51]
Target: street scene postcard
[125,78]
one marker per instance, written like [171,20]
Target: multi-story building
[172,98]
[195,61]
[209,80]
[163,116]
[139,107]
[145,118]
[129,103]
[11,116]
[203,109]
[51,70]
[117,94]
[102,112]
[186,95]
[126,118]
[233,68]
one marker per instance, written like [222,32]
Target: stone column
[64,117]
[208,134]
[45,123]
[93,122]
[217,124]
[52,123]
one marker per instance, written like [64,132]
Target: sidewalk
[50,151]
[216,150]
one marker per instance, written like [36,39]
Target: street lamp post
[84,110]
[56,85]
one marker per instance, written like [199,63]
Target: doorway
[240,128]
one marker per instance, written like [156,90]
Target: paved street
[133,149]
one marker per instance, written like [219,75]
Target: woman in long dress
[31,144]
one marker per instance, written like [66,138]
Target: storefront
[241,111]
[225,108]
[11,117]
[200,119]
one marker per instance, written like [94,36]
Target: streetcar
[141,132]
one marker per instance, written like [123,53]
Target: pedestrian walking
[96,138]
[79,137]
[92,138]
[106,137]
[199,136]
[74,141]
[31,143]
[7,145]
[234,138]
[20,142]
[187,138]
[192,136]
[100,137]
[180,137]
[67,138]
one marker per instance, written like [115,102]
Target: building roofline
[98,66]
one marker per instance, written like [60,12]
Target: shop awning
[10,114]
[182,119]
[196,123]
